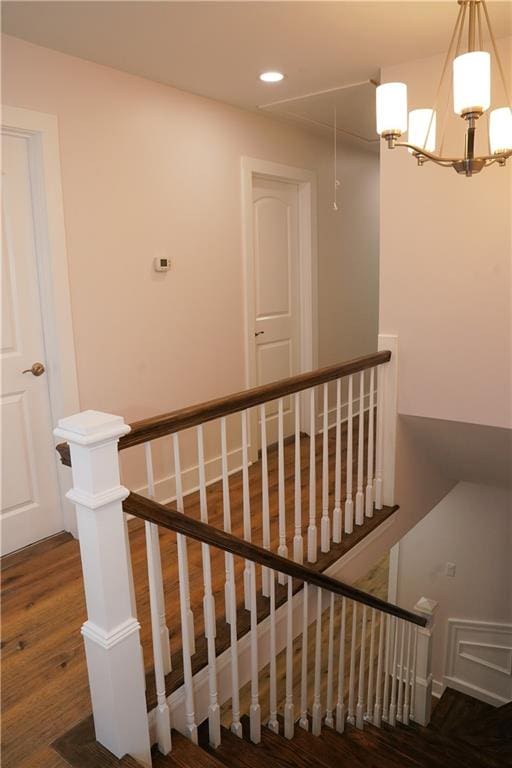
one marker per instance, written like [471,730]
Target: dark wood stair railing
[167,423]
[152,511]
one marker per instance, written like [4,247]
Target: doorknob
[258,333]
[36,370]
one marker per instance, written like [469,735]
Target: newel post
[423,680]
[387,415]
[111,632]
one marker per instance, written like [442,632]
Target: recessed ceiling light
[271,77]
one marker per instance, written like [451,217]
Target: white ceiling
[217,49]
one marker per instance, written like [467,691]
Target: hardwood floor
[44,678]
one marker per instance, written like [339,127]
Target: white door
[31,507]
[276,321]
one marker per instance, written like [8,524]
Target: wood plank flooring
[44,678]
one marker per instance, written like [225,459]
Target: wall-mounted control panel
[161,264]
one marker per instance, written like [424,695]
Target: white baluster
[385,709]
[406,677]
[349,504]
[379,447]
[325,528]
[273,723]
[246,507]
[312,543]
[371,665]
[163,717]
[369,477]
[282,549]
[360,454]
[392,706]
[186,641]
[184,555]
[288,706]
[304,722]
[377,712]
[329,720]
[352,671]
[254,710]
[226,508]
[298,546]
[336,515]
[360,690]
[317,710]
[413,672]
[340,705]
[154,544]
[265,574]
[236,725]
[400,681]
[208,605]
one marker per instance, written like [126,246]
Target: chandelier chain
[497,55]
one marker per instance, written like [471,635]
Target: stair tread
[289,753]
[185,754]
[455,708]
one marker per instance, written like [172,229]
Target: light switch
[450,569]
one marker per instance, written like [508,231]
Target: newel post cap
[89,427]
[428,608]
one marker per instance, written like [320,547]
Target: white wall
[150,170]
[445,269]
[472,528]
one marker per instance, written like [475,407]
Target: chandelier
[471,98]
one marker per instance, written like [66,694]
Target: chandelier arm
[497,55]
[450,160]
[459,21]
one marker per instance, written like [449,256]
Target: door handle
[258,333]
[37,369]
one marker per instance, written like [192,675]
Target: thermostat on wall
[161,264]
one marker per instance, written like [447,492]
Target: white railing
[382,667]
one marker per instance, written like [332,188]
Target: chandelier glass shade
[471,84]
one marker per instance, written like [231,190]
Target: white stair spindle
[406,677]
[352,670]
[288,706]
[265,574]
[360,454]
[312,537]
[184,572]
[325,527]
[340,705]
[349,504]
[226,508]
[154,544]
[246,507]
[329,720]
[282,550]
[371,666]
[360,688]
[377,712]
[298,545]
[387,655]
[163,717]
[254,710]
[336,515]
[401,678]
[316,726]
[369,473]
[273,722]
[190,719]
[236,725]
[304,722]
[379,447]
[392,706]
[413,672]
[208,605]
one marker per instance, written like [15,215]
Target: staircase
[335,674]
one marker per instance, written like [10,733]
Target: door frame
[41,133]
[305,181]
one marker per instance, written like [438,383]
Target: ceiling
[217,49]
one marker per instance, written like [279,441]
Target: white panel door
[276,303]
[31,507]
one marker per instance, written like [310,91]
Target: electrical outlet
[450,569]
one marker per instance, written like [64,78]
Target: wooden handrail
[191,416]
[147,509]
